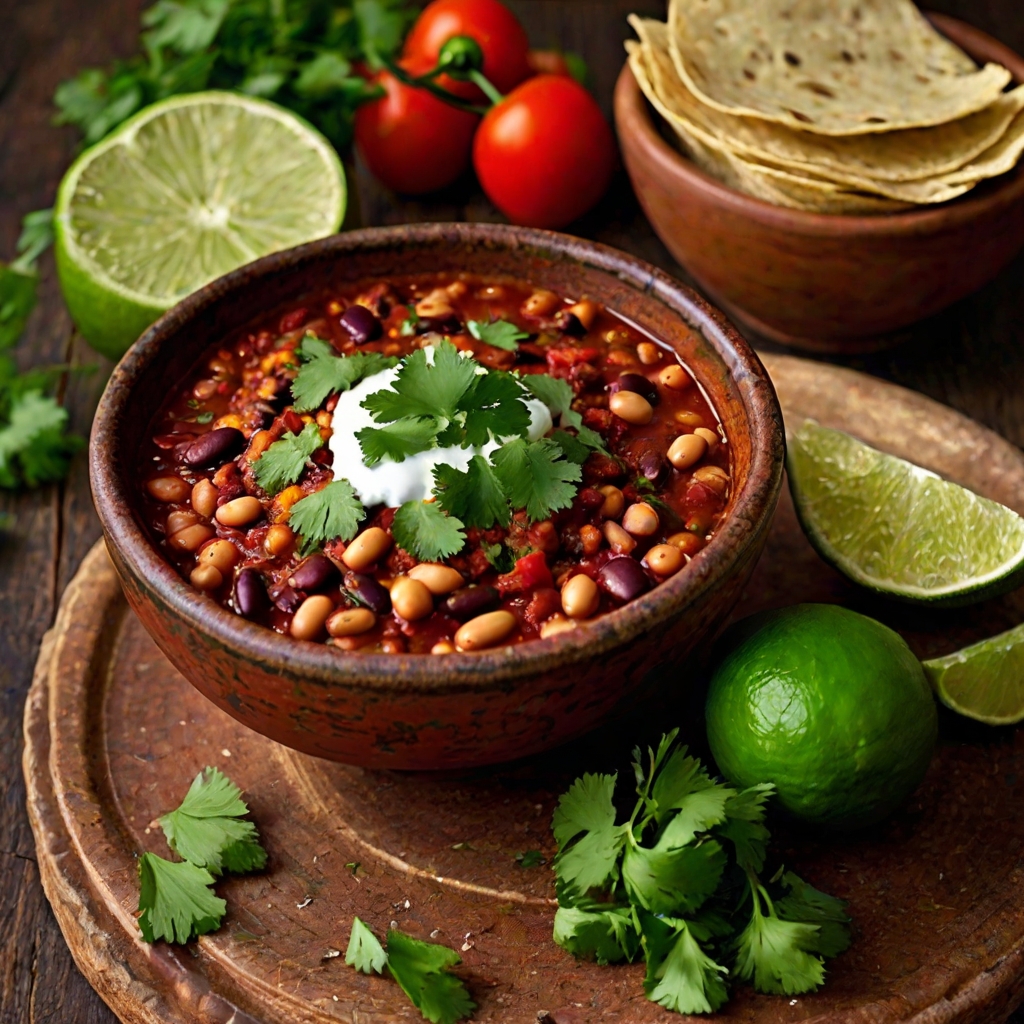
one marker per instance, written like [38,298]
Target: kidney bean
[368,591]
[569,323]
[361,324]
[287,599]
[215,447]
[314,573]
[654,467]
[638,384]
[623,578]
[471,601]
[251,594]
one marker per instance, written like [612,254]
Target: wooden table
[971,357]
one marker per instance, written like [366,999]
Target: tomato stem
[485,86]
[427,82]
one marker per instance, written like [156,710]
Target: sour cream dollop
[392,483]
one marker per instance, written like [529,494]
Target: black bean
[215,448]
[638,383]
[314,573]
[623,578]
[654,467]
[439,324]
[469,602]
[570,323]
[287,599]
[366,590]
[250,594]
[361,324]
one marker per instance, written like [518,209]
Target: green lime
[984,681]
[830,706]
[898,529]
[180,194]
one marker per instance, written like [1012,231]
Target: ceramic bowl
[822,282]
[421,711]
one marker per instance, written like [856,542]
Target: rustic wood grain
[115,735]
[971,357]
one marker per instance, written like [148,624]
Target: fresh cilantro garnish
[17,300]
[499,333]
[572,447]
[500,557]
[333,512]
[176,901]
[422,529]
[678,882]
[203,417]
[397,440]
[283,462]
[407,328]
[558,396]
[536,477]
[475,496]
[424,388]
[209,829]
[530,859]
[35,447]
[324,372]
[493,406]
[422,970]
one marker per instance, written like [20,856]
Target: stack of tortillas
[837,106]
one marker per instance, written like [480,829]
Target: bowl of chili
[371,578]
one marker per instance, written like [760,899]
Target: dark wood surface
[970,357]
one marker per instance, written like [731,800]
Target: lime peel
[899,529]
[984,681]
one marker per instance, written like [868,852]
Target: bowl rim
[749,511]
[633,114]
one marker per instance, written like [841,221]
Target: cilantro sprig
[282,463]
[678,883]
[422,970]
[332,513]
[208,830]
[499,333]
[324,372]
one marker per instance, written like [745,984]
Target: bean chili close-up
[635,502]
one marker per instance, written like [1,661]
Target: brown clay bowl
[421,711]
[823,282]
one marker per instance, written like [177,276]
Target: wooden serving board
[114,736]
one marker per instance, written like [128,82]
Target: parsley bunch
[299,53]
[420,968]
[679,882]
[176,899]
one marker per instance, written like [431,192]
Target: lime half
[984,681]
[180,194]
[897,528]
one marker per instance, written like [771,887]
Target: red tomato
[545,154]
[490,23]
[412,141]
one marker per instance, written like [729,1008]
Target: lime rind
[984,681]
[896,528]
[183,192]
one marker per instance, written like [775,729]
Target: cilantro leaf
[324,372]
[422,529]
[424,388]
[672,880]
[495,405]
[282,463]
[589,841]
[500,557]
[680,975]
[572,448]
[607,936]
[381,26]
[499,333]
[475,496]
[421,969]
[176,901]
[332,512]
[805,903]
[364,952]
[209,823]
[17,300]
[778,955]
[35,238]
[744,826]
[398,440]
[34,445]
[186,27]
[535,477]
[557,395]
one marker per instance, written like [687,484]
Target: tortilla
[907,155]
[829,67]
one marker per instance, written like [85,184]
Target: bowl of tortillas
[829,171]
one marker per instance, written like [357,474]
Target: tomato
[412,141]
[545,154]
[491,24]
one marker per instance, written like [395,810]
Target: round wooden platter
[114,736]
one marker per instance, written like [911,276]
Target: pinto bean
[310,617]
[485,630]
[168,488]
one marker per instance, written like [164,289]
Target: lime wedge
[897,528]
[984,681]
[180,194]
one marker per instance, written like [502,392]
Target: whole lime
[830,706]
